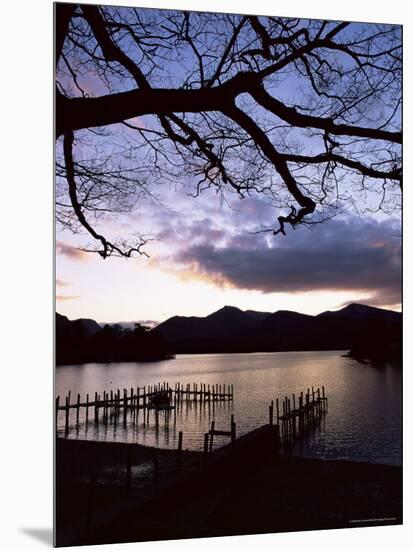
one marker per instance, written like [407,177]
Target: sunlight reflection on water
[363,420]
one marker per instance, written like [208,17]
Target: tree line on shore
[84,340]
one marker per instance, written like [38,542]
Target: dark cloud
[349,254]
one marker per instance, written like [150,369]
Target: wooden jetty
[160,396]
[300,414]
[175,471]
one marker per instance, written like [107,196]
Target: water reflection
[363,420]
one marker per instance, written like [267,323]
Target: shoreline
[257,489]
[194,354]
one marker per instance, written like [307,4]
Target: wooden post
[211,436]
[277,436]
[125,404]
[278,411]
[87,408]
[289,414]
[96,407]
[67,415]
[205,454]
[271,413]
[105,407]
[77,409]
[233,428]
[179,454]
[57,407]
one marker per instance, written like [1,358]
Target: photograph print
[228,326]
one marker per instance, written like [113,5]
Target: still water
[363,421]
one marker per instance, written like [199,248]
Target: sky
[206,253]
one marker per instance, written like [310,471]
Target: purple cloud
[349,254]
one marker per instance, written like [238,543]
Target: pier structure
[116,403]
[300,414]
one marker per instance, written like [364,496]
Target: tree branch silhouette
[221,117]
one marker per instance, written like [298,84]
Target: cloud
[70,251]
[62,298]
[350,254]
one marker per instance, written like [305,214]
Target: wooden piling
[179,453]
[205,452]
[125,405]
[77,409]
[96,408]
[211,436]
[233,432]
[67,415]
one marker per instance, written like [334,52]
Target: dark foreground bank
[254,490]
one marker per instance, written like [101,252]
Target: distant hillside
[89,325]
[369,333]
[233,330]
[84,340]
[360,311]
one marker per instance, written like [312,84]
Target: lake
[363,421]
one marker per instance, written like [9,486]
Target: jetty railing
[117,402]
[209,436]
[299,415]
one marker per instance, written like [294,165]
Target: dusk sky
[207,256]
[206,251]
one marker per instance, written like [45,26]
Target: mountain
[369,333]
[360,311]
[219,330]
[89,325]
[232,330]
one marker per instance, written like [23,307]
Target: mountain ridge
[231,329]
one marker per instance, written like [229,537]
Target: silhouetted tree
[219,96]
